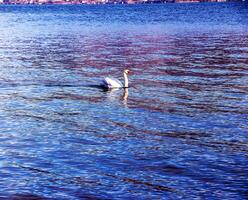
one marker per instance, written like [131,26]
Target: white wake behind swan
[110,83]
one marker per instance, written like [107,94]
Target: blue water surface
[179,131]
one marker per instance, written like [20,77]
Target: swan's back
[111,83]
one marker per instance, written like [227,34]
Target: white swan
[115,83]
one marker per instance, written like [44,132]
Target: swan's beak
[127,71]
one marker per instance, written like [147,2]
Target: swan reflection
[125,95]
[115,95]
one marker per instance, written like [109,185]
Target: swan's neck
[125,80]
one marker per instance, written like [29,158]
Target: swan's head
[126,71]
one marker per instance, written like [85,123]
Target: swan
[110,83]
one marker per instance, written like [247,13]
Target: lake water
[180,130]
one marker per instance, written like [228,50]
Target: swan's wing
[112,82]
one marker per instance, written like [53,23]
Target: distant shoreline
[110,2]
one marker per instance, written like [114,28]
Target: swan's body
[111,83]
[115,83]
